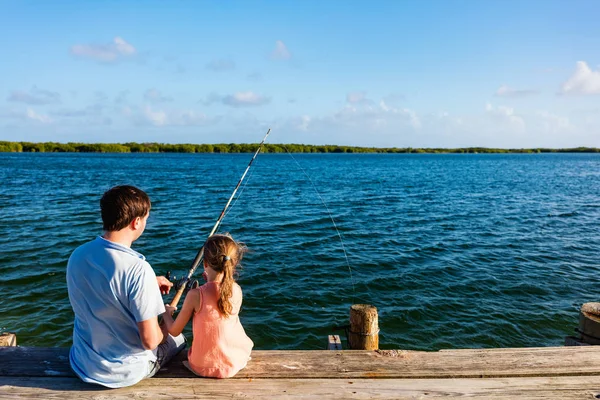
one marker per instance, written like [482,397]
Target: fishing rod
[200,254]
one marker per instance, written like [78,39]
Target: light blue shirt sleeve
[145,300]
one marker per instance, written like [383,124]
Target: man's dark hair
[122,204]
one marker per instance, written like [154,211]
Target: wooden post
[589,323]
[364,327]
[8,339]
[334,342]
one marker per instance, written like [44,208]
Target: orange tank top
[220,347]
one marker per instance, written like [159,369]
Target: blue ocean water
[456,251]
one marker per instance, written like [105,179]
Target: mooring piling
[364,327]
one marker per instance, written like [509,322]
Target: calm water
[454,250]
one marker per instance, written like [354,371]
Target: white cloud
[155,96]
[245,99]
[553,123]
[506,91]
[32,115]
[238,99]
[26,115]
[223,64]
[301,123]
[503,114]
[34,97]
[164,118]
[118,49]
[123,47]
[415,121]
[157,118]
[281,51]
[386,125]
[358,123]
[583,81]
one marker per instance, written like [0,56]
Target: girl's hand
[169,309]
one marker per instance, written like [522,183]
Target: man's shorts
[165,352]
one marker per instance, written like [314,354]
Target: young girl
[220,347]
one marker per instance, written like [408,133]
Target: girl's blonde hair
[223,254]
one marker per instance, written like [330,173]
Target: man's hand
[164,284]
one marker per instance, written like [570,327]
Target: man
[116,297]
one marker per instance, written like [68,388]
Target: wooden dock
[529,373]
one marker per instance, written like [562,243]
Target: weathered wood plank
[563,388]
[298,364]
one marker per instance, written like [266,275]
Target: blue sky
[366,73]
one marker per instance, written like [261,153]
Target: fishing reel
[187,284]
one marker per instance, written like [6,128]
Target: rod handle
[177,297]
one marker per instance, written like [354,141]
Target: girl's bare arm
[175,327]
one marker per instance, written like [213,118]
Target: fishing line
[241,192]
[332,220]
[200,255]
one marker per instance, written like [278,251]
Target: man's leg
[166,351]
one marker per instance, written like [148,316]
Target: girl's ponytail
[223,254]
[226,288]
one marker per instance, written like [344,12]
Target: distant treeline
[52,147]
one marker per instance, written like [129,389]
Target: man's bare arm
[150,333]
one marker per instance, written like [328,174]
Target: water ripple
[454,250]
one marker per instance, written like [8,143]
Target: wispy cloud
[27,115]
[34,97]
[404,113]
[506,91]
[363,117]
[583,81]
[155,96]
[281,51]
[220,65]
[553,122]
[155,117]
[245,99]
[239,99]
[506,115]
[117,50]
[32,115]
[174,117]
[160,117]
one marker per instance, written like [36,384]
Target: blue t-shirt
[111,288]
